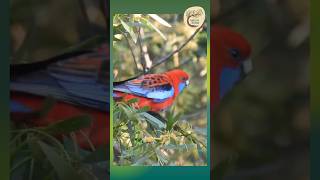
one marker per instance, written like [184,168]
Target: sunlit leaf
[154,28]
[118,37]
[160,20]
[129,30]
[153,121]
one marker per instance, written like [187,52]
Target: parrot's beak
[246,67]
[187,82]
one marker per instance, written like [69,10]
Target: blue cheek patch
[229,77]
[181,86]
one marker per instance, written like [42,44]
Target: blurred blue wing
[74,80]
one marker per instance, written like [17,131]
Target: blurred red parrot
[157,91]
[78,82]
[230,60]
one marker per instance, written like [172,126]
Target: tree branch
[131,50]
[167,57]
[143,61]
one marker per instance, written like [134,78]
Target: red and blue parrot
[230,63]
[230,60]
[157,91]
[78,83]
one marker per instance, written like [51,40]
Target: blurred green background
[44,29]
[41,30]
[261,129]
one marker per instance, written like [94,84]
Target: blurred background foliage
[41,30]
[140,41]
[261,129]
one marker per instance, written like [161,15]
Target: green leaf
[153,121]
[201,153]
[131,131]
[64,170]
[155,28]
[180,146]
[134,100]
[162,158]
[160,20]
[69,125]
[172,120]
[129,30]
[143,109]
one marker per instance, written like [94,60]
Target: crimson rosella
[157,91]
[78,83]
[230,60]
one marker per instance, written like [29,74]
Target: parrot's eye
[183,79]
[235,53]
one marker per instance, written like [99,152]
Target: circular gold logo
[194,16]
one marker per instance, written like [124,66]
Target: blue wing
[74,80]
[143,87]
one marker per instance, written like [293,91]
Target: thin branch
[165,58]
[131,50]
[143,61]
[88,140]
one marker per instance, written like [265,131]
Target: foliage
[38,153]
[40,31]
[143,138]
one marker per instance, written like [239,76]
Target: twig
[143,61]
[165,58]
[131,50]
[88,140]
